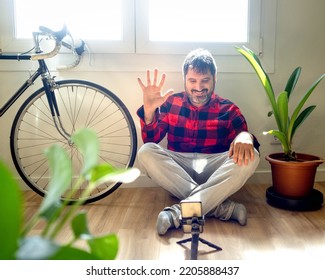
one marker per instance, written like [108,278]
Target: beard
[199,98]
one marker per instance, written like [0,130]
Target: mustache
[199,91]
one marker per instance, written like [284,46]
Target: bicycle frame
[48,84]
[77,104]
[47,80]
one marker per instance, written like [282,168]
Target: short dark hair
[200,60]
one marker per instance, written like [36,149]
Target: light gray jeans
[209,178]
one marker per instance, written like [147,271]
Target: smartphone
[190,210]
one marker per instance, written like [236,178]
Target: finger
[148,78]
[252,154]
[141,84]
[240,152]
[155,76]
[235,153]
[231,149]
[162,80]
[246,160]
[242,155]
[239,157]
[248,155]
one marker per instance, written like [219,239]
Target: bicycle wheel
[81,104]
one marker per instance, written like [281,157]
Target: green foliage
[10,202]
[16,241]
[287,125]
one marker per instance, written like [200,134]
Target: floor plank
[270,232]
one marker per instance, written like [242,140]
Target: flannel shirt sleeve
[239,124]
[156,130]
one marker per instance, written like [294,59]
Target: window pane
[94,20]
[198,21]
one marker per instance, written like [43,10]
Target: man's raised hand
[152,95]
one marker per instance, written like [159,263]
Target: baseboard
[259,177]
[320,175]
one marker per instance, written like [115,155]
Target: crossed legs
[209,178]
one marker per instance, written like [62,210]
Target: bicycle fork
[49,86]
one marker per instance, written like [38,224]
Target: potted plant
[293,174]
[17,240]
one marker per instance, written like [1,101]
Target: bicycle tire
[81,104]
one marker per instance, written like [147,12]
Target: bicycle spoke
[80,104]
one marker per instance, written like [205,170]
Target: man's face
[199,87]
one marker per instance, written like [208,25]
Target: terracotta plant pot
[293,178]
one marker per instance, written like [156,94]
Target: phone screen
[190,210]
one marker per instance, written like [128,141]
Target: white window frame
[136,53]
[145,46]
[261,38]
[126,45]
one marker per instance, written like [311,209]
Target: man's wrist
[149,116]
[244,137]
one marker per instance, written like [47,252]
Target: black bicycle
[54,112]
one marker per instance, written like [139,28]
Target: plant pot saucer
[313,201]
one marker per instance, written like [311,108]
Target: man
[210,153]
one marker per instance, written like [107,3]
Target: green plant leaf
[61,173]
[104,247]
[282,138]
[87,143]
[79,225]
[264,78]
[11,213]
[292,81]
[280,108]
[282,103]
[301,104]
[301,118]
[107,173]
[50,212]
[100,171]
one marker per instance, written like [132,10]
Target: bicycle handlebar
[58,37]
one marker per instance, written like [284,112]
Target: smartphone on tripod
[191,212]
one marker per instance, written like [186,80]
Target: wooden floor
[270,232]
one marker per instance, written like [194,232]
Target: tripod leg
[210,244]
[184,241]
[194,246]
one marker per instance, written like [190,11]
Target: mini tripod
[194,225]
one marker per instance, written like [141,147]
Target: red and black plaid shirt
[207,129]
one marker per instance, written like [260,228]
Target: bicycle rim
[82,104]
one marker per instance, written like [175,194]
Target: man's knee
[148,147]
[146,151]
[250,168]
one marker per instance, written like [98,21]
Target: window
[179,26]
[217,21]
[143,28]
[106,25]
[102,20]
[176,27]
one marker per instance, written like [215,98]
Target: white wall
[300,40]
